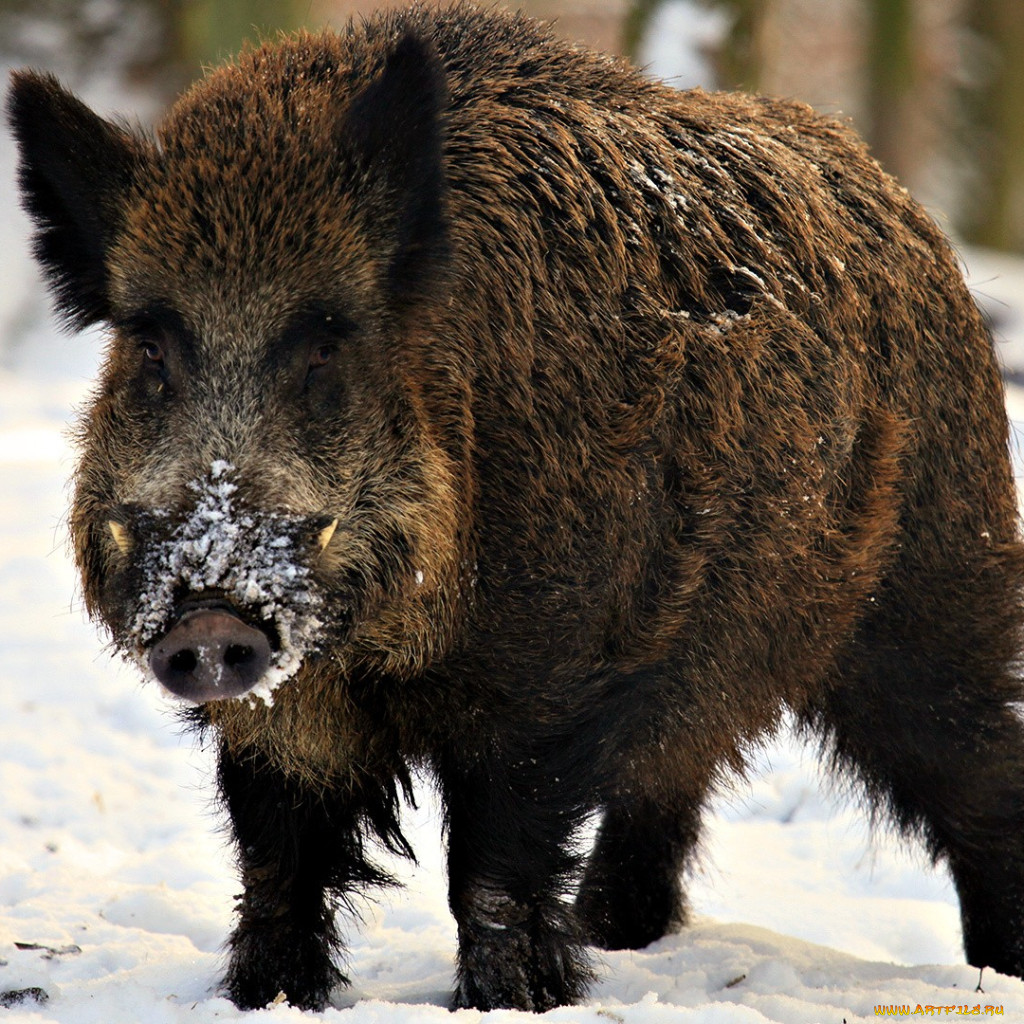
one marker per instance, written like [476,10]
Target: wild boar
[474,403]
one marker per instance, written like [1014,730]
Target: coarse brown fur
[654,415]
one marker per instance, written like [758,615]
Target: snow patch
[253,558]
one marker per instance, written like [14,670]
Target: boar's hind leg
[297,848]
[510,867]
[925,714]
[632,891]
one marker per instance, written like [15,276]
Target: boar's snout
[210,654]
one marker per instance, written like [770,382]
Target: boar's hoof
[210,654]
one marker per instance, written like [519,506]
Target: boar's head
[259,482]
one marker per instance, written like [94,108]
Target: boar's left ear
[394,131]
[73,172]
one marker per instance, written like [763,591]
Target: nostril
[184,661]
[238,654]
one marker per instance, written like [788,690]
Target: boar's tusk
[323,538]
[120,535]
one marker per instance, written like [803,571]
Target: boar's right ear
[73,172]
[394,132]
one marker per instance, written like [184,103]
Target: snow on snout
[257,560]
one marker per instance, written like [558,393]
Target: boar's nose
[210,654]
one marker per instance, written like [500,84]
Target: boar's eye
[153,352]
[321,355]
[154,356]
[158,333]
[311,342]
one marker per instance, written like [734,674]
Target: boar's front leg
[300,849]
[510,822]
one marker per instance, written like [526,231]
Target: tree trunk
[892,76]
[638,17]
[742,60]
[994,103]
[213,30]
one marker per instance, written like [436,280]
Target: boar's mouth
[210,653]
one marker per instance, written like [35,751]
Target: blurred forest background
[936,86]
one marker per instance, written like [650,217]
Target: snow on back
[255,559]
